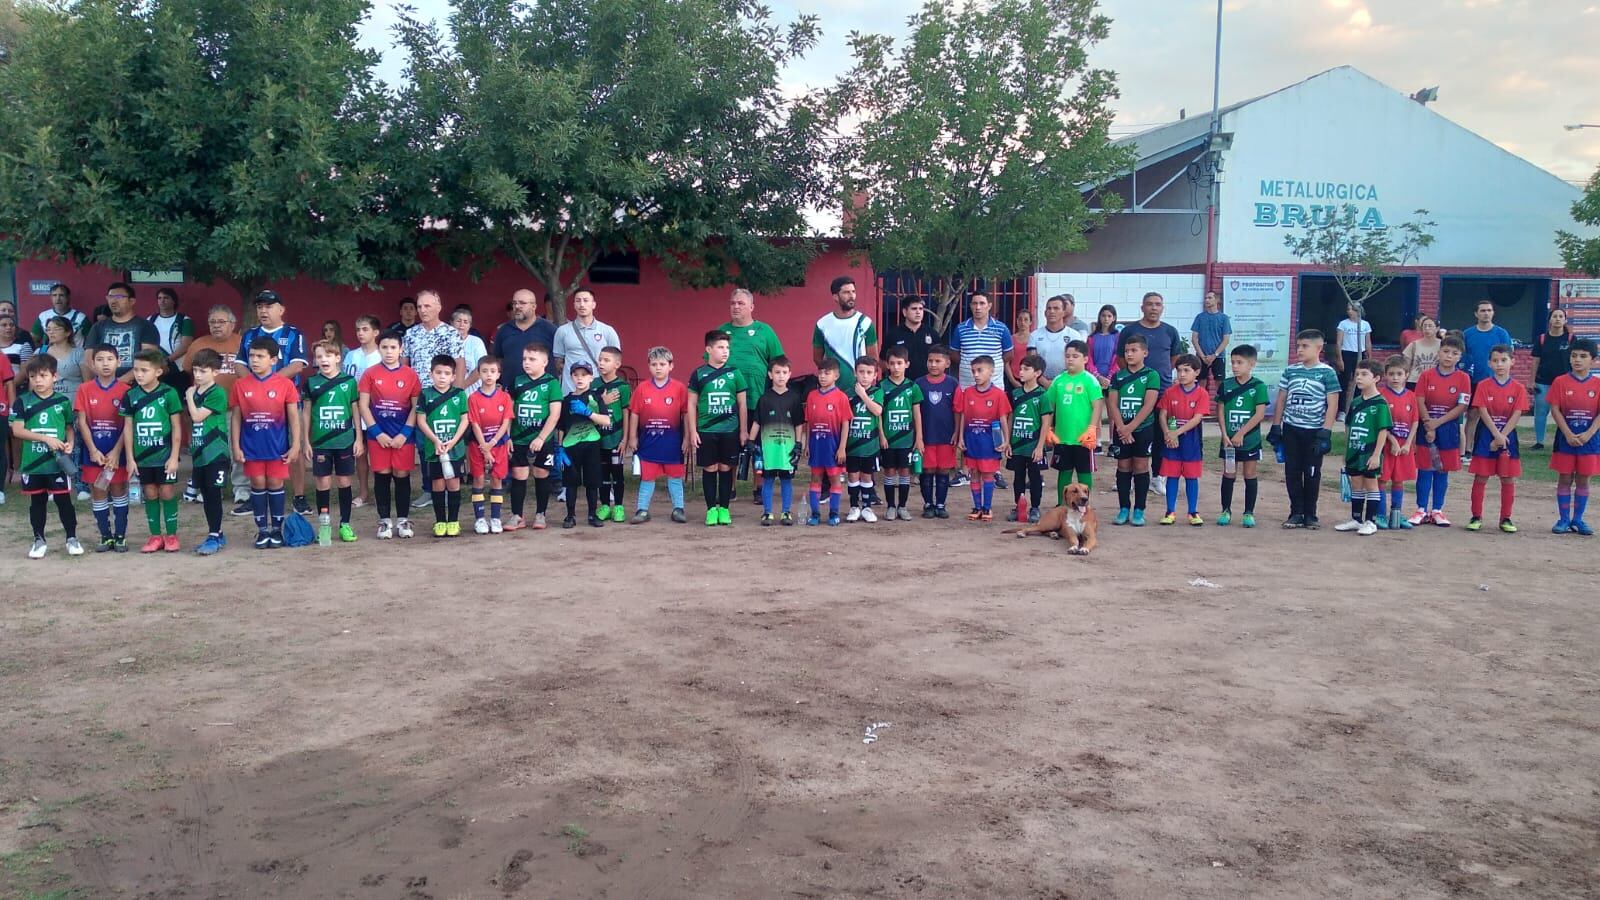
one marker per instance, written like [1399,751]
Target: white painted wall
[1183,295]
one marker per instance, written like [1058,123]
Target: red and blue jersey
[1499,401]
[1439,393]
[1403,411]
[99,407]
[391,395]
[980,409]
[827,419]
[938,409]
[490,412]
[1181,405]
[264,405]
[660,409]
[1577,401]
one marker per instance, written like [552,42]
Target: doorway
[1390,311]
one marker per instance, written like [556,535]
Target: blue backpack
[297,532]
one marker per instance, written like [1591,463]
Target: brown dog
[1075,522]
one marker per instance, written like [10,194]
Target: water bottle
[1278,449]
[916,462]
[636,465]
[447,468]
[103,480]
[1230,458]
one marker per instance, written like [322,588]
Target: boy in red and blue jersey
[389,393]
[938,444]
[266,437]
[98,404]
[827,420]
[655,435]
[1445,393]
[1575,400]
[978,408]
[1400,457]
[1184,406]
[1498,402]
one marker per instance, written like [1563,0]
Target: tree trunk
[947,306]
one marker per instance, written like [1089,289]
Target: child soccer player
[827,420]
[1302,425]
[442,415]
[389,394]
[489,411]
[1072,408]
[1400,460]
[656,437]
[1185,405]
[1137,389]
[1027,447]
[1445,393]
[618,394]
[902,432]
[978,408]
[536,396]
[583,414]
[780,417]
[356,363]
[1367,425]
[208,447]
[152,442]
[1498,401]
[864,440]
[717,421]
[332,440]
[1242,403]
[1575,400]
[938,441]
[99,408]
[42,420]
[266,436]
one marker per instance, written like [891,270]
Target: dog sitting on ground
[1075,522]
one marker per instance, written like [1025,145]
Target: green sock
[170,510]
[152,515]
[1062,480]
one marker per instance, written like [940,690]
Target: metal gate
[1008,295]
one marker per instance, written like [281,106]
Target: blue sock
[1191,492]
[833,504]
[766,496]
[1172,494]
[275,507]
[988,494]
[119,515]
[1580,503]
[977,495]
[258,506]
[102,517]
[1424,489]
[647,492]
[1397,498]
[786,489]
[1380,502]
[816,503]
[674,492]
[1441,483]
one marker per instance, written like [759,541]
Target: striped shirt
[1306,390]
[992,340]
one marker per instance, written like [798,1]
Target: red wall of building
[644,315]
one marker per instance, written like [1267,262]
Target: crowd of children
[512,429]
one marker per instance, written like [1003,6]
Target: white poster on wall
[1258,307]
[1580,297]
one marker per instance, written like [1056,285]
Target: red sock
[1480,486]
[1508,498]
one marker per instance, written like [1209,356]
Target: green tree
[1578,253]
[1362,260]
[976,139]
[566,129]
[238,139]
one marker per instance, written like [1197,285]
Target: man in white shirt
[582,338]
[61,305]
[1050,339]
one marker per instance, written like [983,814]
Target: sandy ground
[678,712]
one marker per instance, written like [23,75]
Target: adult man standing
[60,305]
[525,327]
[291,362]
[979,336]
[408,317]
[846,334]
[1162,340]
[752,345]
[582,338]
[177,333]
[125,332]
[1050,339]
[915,333]
[1070,314]
[431,337]
[1209,337]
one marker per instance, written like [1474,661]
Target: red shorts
[834,472]
[501,455]
[1572,464]
[91,473]
[1401,468]
[981,466]
[1435,460]
[1504,466]
[266,468]
[937,457]
[1173,468]
[649,471]
[391,459]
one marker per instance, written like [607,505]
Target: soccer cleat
[1562,526]
[481,526]
[403,529]
[929,513]
[516,523]
[569,522]
[1368,528]
[1122,516]
[1438,518]
[618,514]
[39,549]
[496,526]
[1538,445]
[766,520]
[263,540]
[1249,520]
[121,543]
[1381,523]
[867,515]
[711,517]
[301,506]
[1194,519]
[538,522]
[243,509]
[275,538]
[208,547]
[987,516]
[154,545]
[1475,524]
[385,529]
[833,520]
[106,545]
[1169,518]
[1313,523]
[1351,525]
[347,534]
[724,516]
[1225,517]
[170,543]
[813,520]
[1508,526]
[1581,527]
[1033,515]
[641,517]
[679,516]
[854,515]
[603,511]
[452,529]
[1000,481]
[788,518]
[1295,521]
[959,479]
[1138,519]
[1418,517]
[438,529]
[1012,516]
[975,515]
[595,521]
[939,512]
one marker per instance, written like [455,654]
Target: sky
[1513,71]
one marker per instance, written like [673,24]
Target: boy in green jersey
[42,420]
[1027,446]
[1137,389]
[617,393]
[780,417]
[1367,427]
[442,415]
[863,440]
[1242,403]
[718,420]
[333,442]
[1072,409]
[584,415]
[902,431]
[152,441]
[536,396]
[207,403]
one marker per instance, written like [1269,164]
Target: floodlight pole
[1211,134]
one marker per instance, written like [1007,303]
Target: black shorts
[215,473]
[856,465]
[156,475]
[718,449]
[1219,367]
[522,457]
[1021,464]
[1072,458]
[611,456]
[893,459]
[1143,443]
[327,463]
[431,470]
[1356,470]
[178,379]
[44,484]
[1243,455]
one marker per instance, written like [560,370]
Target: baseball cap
[581,365]
[268,297]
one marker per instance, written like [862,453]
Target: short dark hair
[907,301]
[1033,361]
[1189,360]
[39,362]
[98,349]
[1310,334]
[151,357]
[983,359]
[442,360]
[1396,362]
[1244,351]
[939,350]
[170,292]
[206,359]
[61,286]
[828,364]
[779,360]
[1080,346]
[1500,348]
[537,347]
[1132,339]
[389,336]
[715,335]
[1371,365]
[1454,342]
[1481,304]
[262,342]
[615,351]
[897,352]
[869,361]
[840,283]
[1581,345]
[489,359]
[405,300]
[122,286]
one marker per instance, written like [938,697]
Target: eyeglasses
[219,321]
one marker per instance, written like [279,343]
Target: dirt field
[677,712]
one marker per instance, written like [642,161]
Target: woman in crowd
[1551,349]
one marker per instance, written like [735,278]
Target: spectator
[408,317]
[582,338]
[122,330]
[1422,353]
[1162,339]
[176,331]
[60,305]
[430,337]
[17,345]
[1552,349]
[979,336]
[846,334]
[1355,344]
[1208,339]
[331,331]
[472,348]
[1050,340]
[525,327]
[1480,339]
[915,333]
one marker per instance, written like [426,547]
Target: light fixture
[1426,95]
[1579,127]
[1221,141]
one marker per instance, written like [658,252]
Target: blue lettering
[1269,189]
[1293,214]
[1372,220]
[1266,215]
[1372,193]
[1322,216]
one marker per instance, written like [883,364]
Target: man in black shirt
[915,333]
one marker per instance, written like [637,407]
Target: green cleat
[1224,517]
[618,514]
[712,518]
[347,534]
[1249,520]
[724,516]
[603,511]
[1508,526]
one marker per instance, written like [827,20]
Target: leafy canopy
[1578,253]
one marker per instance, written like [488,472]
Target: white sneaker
[1158,485]
[385,529]
[2,498]
[39,549]
[83,496]
[867,515]
[73,547]
[1368,528]
[403,528]
[481,526]
[854,515]
[1351,525]
[495,526]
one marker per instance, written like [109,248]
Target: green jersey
[208,441]
[751,350]
[611,437]
[151,412]
[716,393]
[1129,389]
[333,424]
[1070,404]
[1027,415]
[444,413]
[1238,404]
[863,439]
[51,416]
[536,399]
[900,402]
[1364,424]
